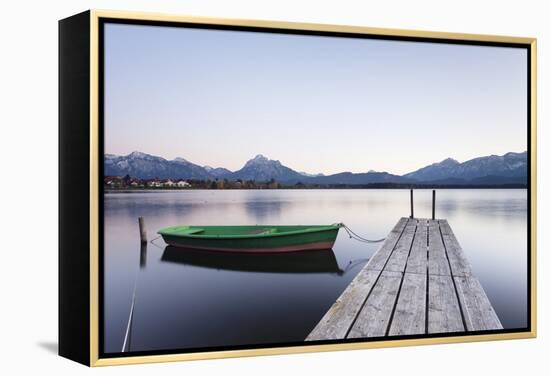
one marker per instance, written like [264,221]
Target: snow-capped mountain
[362,178]
[510,165]
[510,168]
[310,175]
[145,166]
[261,168]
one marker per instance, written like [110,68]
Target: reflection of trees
[141,204]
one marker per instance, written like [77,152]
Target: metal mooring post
[412,204]
[433,204]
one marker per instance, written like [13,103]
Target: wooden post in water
[412,204]
[433,204]
[143,255]
[142,231]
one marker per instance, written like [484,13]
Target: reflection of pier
[291,262]
[418,282]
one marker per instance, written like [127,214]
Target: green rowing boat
[253,239]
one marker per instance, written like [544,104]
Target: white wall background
[28,197]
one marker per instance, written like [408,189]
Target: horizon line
[304,172]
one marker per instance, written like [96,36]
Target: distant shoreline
[165,189]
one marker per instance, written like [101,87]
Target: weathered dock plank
[479,314]
[339,318]
[410,312]
[418,258]
[418,282]
[444,314]
[399,256]
[378,260]
[337,321]
[438,264]
[460,266]
[374,317]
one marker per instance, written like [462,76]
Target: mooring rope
[155,244]
[128,333]
[126,343]
[354,235]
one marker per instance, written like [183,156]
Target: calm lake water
[197,299]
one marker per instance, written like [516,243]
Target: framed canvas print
[238,187]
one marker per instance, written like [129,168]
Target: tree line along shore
[126,183]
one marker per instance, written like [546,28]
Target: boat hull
[320,238]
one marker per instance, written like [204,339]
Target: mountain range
[510,168]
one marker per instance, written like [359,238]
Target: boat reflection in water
[323,261]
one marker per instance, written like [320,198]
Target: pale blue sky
[317,104]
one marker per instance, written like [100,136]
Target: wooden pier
[418,282]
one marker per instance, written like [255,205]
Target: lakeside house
[117,182]
[154,184]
